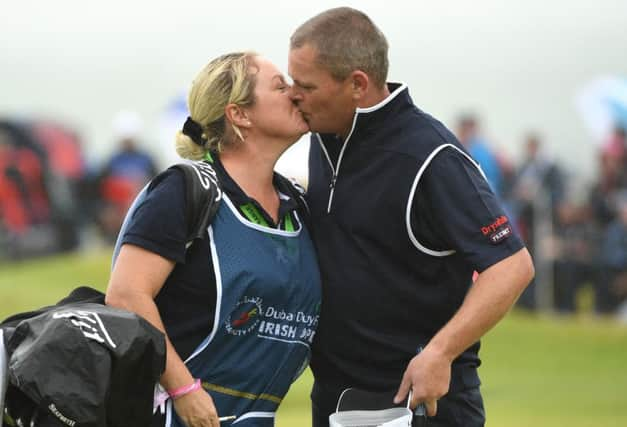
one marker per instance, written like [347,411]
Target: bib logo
[244,317]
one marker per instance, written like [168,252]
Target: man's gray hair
[345,40]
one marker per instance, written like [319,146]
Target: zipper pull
[332,184]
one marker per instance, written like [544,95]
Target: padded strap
[203,196]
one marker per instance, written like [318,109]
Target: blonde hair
[225,80]
[345,39]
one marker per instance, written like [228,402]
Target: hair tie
[194,131]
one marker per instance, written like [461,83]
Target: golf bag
[80,363]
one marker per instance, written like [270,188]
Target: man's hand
[196,409]
[428,375]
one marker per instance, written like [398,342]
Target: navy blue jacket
[401,217]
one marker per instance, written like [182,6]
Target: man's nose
[295,95]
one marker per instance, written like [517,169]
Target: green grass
[538,370]
[26,285]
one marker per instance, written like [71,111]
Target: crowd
[577,240]
[49,195]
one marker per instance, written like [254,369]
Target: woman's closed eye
[281,84]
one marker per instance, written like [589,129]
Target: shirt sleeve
[158,223]
[455,208]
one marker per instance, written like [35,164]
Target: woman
[239,308]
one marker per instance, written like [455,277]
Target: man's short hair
[345,40]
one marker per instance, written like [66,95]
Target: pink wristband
[182,391]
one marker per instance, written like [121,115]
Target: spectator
[612,286]
[470,137]
[537,190]
[612,178]
[616,145]
[574,249]
[128,170]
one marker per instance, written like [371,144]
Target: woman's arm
[137,277]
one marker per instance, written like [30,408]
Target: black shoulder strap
[296,192]
[203,196]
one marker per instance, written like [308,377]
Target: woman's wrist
[186,389]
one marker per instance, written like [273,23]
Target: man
[470,137]
[402,216]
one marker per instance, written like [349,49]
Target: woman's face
[273,113]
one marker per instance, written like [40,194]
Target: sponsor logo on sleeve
[498,230]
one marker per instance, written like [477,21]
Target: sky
[518,65]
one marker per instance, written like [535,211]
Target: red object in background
[63,149]
[23,199]
[119,190]
[11,209]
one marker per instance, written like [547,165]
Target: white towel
[392,417]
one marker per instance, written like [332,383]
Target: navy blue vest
[267,308]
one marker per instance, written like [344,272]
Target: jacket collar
[378,114]
[396,92]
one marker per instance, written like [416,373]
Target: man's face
[326,103]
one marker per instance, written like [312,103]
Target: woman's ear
[237,116]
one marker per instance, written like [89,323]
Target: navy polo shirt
[186,302]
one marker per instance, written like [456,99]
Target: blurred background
[91,95]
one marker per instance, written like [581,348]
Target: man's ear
[360,83]
[237,116]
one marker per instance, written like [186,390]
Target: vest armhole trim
[412,193]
